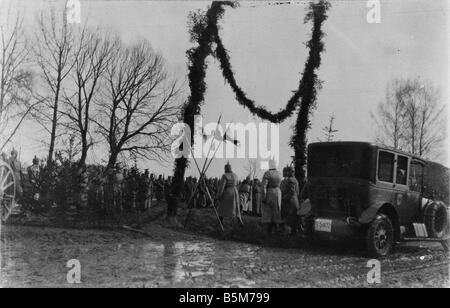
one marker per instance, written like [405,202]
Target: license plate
[323,225]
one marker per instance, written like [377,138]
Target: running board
[424,239]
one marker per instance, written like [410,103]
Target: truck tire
[436,220]
[380,236]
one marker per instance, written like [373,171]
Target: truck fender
[369,214]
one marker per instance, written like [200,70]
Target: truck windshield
[350,161]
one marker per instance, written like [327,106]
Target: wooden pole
[202,176]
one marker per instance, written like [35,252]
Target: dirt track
[33,256]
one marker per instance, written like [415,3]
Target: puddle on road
[39,258]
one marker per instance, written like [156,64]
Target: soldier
[271,206]
[228,195]
[159,188]
[137,194]
[257,197]
[290,204]
[34,169]
[167,186]
[201,195]
[244,195]
[33,175]
[142,186]
[152,187]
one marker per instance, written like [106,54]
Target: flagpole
[209,195]
[210,146]
[221,141]
[202,174]
[203,167]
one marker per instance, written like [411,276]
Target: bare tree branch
[411,118]
[16,80]
[139,104]
[53,51]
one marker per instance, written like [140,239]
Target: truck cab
[372,192]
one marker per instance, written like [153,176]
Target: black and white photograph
[246,146]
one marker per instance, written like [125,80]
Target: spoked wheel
[380,236]
[7,191]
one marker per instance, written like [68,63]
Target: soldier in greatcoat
[228,195]
[257,197]
[271,206]
[244,195]
[289,203]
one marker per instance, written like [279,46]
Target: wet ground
[37,257]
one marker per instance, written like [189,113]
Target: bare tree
[139,105]
[70,146]
[424,118]
[389,117]
[411,118]
[16,80]
[329,130]
[93,53]
[53,53]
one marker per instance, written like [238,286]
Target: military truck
[374,193]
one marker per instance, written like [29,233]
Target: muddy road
[37,257]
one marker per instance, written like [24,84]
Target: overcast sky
[267,54]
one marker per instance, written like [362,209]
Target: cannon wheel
[7,191]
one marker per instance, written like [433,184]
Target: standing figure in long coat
[201,194]
[228,195]
[146,190]
[289,203]
[271,206]
[257,197]
[159,189]
[245,195]
[34,172]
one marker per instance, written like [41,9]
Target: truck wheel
[380,236]
[436,220]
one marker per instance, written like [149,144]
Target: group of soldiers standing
[129,189]
[204,194]
[277,198]
[119,188]
[197,195]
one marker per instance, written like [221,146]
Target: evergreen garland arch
[205,32]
